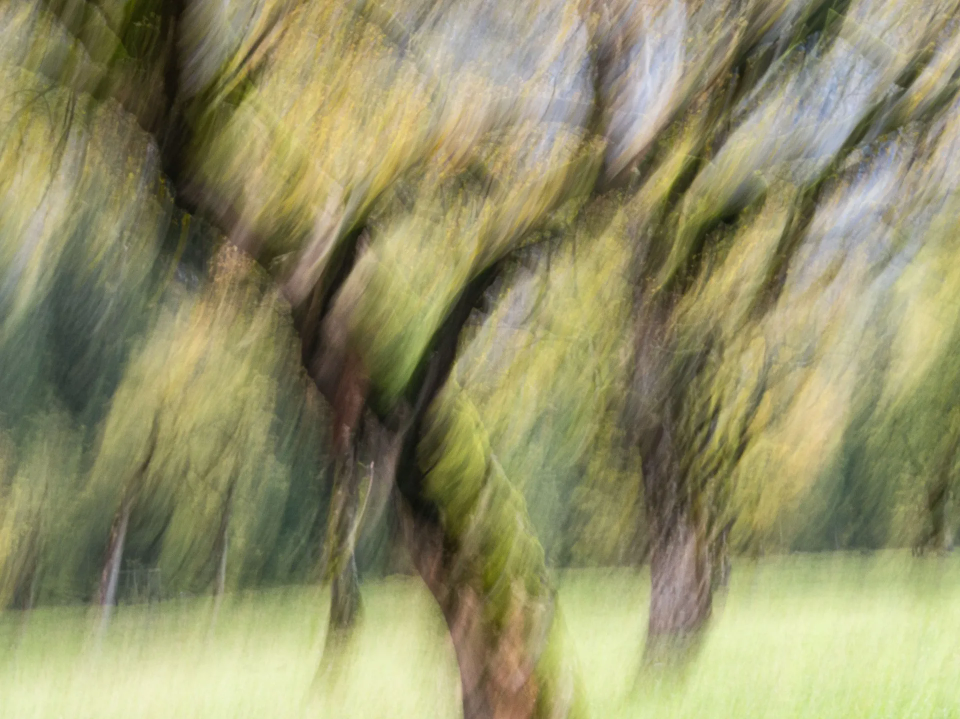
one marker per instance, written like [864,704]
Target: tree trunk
[223,544]
[680,571]
[937,507]
[222,567]
[720,558]
[459,606]
[501,617]
[513,670]
[111,569]
[345,605]
[341,570]
[110,576]
[25,586]
[680,597]
[475,549]
[936,536]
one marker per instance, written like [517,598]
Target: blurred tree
[478,212]
[733,241]
[191,459]
[35,490]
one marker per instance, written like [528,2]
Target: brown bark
[499,675]
[348,404]
[110,576]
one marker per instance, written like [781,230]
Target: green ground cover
[810,636]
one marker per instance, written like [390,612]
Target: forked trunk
[512,664]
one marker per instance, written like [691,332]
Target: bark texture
[511,668]
[345,509]
[680,583]
[345,604]
[680,560]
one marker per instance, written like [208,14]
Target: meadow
[820,636]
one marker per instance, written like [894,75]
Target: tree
[723,220]
[408,357]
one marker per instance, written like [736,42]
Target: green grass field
[829,636]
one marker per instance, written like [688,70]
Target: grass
[829,636]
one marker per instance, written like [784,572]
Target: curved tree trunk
[470,538]
[480,561]
[514,669]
